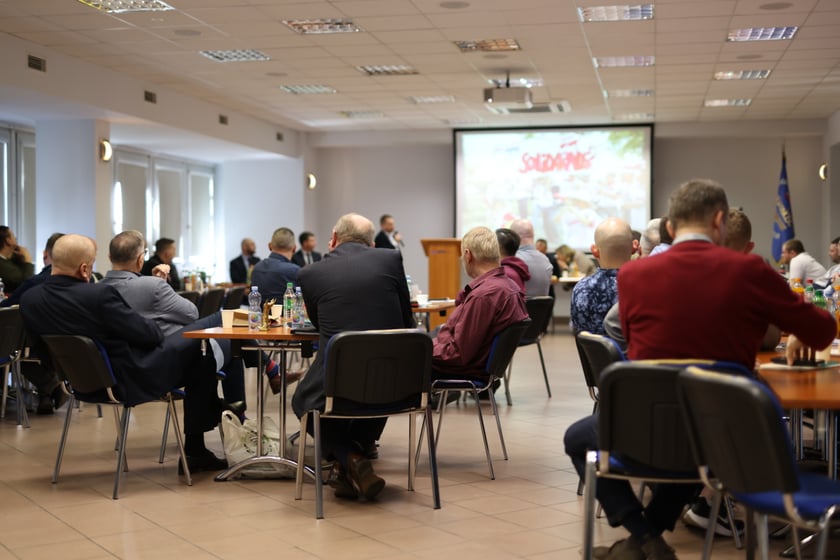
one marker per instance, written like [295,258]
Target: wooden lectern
[444,270]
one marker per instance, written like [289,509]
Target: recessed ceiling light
[775,6]
[623,61]
[634,117]
[762,34]
[454,5]
[519,82]
[634,12]
[121,6]
[187,32]
[488,45]
[388,70]
[303,89]
[423,99]
[236,55]
[321,26]
[727,102]
[363,114]
[629,93]
[742,75]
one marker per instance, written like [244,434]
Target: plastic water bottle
[254,309]
[413,289]
[809,291]
[2,290]
[289,304]
[298,318]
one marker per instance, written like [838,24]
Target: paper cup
[227,318]
[422,300]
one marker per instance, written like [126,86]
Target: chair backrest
[210,302]
[233,298]
[735,428]
[596,353]
[540,310]
[377,369]
[640,418]
[12,333]
[190,295]
[81,361]
[503,347]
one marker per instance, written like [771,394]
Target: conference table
[276,339]
[439,306]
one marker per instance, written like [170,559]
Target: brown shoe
[657,549]
[339,482]
[361,475]
[276,384]
[625,549]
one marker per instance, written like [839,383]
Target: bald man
[145,363]
[593,296]
[539,266]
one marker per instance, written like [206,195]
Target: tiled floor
[530,511]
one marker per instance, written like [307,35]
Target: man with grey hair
[488,304]
[538,264]
[650,237]
[593,296]
[272,274]
[353,288]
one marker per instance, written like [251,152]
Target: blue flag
[783,219]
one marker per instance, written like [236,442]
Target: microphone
[398,239]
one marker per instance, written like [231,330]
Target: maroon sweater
[702,301]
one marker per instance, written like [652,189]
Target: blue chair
[84,363]
[736,429]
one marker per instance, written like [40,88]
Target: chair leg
[118,426]
[17,383]
[427,422]
[412,452]
[319,483]
[63,440]
[589,504]
[301,457]
[710,530]
[6,381]
[763,536]
[507,382]
[483,434]
[165,433]
[730,513]
[545,374]
[797,542]
[171,412]
[121,463]
[498,421]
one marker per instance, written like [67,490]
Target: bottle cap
[254,288]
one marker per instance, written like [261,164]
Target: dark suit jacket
[381,241]
[354,288]
[297,258]
[174,278]
[238,272]
[145,365]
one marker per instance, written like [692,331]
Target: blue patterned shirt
[592,297]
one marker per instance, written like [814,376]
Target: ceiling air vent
[150,96]
[535,109]
[223,119]
[36,63]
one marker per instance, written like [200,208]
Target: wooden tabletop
[816,388]
[244,333]
[435,305]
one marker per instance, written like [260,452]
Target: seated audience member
[307,253]
[15,261]
[353,288]
[637,247]
[728,319]
[571,260]
[488,304]
[542,247]
[164,253]
[241,266]
[665,238]
[802,265]
[650,237]
[273,273]
[593,296]
[834,254]
[538,264]
[514,267]
[147,363]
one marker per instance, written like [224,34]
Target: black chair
[210,302]
[737,431]
[85,365]
[501,352]
[641,436]
[374,374]
[233,298]
[12,337]
[191,295]
[540,310]
[596,352]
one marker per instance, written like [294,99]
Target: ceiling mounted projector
[508,97]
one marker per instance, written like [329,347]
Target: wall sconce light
[106,152]
[823,171]
[311,181]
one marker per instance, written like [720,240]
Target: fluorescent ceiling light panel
[762,34]
[236,55]
[488,45]
[321,26]
[629,93]
[742,75]
[393,70]
[424,99]
[623,61]
[631,12]
[519,82]
[727,102]
[121,6]
[363,114]
[315,88]
[634,117]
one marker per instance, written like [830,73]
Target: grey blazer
[154,299]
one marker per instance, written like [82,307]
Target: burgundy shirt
[489,303]
[701,301]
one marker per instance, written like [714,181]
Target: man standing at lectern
[388,237]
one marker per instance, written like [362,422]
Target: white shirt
[806,267]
